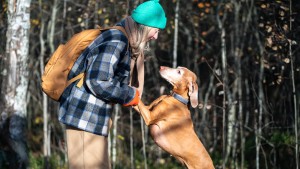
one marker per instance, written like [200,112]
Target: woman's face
[153,34]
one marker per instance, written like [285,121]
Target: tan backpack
[55,76]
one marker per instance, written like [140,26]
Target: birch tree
[46,135]
[16,83]
[174,64]
[113,145]
[294,91]
[224,62]
[260,99]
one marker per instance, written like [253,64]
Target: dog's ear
[193,93]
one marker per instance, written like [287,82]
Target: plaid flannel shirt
[106,63]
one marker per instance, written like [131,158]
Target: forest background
[244,52]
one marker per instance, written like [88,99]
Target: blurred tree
[14,87]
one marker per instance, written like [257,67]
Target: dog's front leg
[145,112]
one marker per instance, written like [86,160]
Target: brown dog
[170,122]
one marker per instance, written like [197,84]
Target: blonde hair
[141,44]
[138,37]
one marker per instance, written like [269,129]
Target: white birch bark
[45,99]
[175,35]
[224,64]
[237,89]
[258,124]
[64,19]
[114,136]
[296,121]
[16,82]
[131,140]
[51,26]
[17,48]
[144,142]
[46,144]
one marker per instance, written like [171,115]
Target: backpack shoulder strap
[120,28]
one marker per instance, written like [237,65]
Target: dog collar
[180,98]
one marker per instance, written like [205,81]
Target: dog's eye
[178,71]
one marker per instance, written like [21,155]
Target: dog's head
[183,81]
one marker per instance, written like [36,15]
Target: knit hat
[150,13]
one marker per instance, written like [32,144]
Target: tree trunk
[45,99]
[258,125]
[46,139]
[114,136]
[236,48]
[144,142]
[51,26]
[258,117]
[64,20]
[131,140]
[176,35]
[224,75]
[17,55]
[294,93]
[16,83]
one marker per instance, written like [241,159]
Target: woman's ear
[193,93]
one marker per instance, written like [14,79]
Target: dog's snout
[162,67]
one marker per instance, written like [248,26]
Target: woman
[110,67]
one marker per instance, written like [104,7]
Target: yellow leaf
[38,120]
[285,27]
[106,21]
[263,6]
[269,41]
[281,13]
[162,161]
[207,10]
[201,5]
[269,28]
[121,137]
[279,80]
[286,60]
[35,22]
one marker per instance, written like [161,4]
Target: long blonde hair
[138,35]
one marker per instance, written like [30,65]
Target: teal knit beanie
[150,13]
